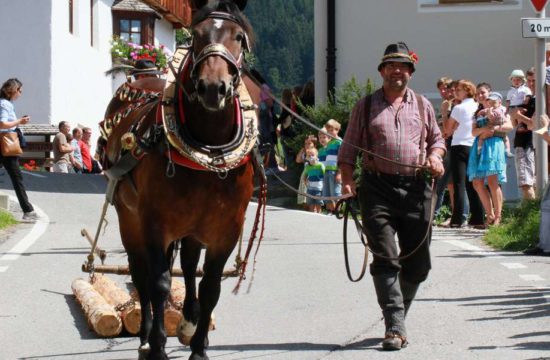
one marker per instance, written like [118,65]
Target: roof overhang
[178,12]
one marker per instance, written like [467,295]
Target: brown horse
[159,204]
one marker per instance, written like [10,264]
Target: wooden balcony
[176,11]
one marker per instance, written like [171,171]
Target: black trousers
[11,164]
[393,204]
[459,166]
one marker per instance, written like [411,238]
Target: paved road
[476,304]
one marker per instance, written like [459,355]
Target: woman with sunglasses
[11,90]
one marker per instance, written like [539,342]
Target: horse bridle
[218,49]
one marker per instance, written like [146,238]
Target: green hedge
[519,228]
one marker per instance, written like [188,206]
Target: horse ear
[240,3]
[198,4]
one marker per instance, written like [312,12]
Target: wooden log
[172,309]
[124,270]
[133,323]
[101,316]
[128,310]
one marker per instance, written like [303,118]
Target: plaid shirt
[395,133]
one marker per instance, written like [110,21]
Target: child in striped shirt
[332,185]
[314,174]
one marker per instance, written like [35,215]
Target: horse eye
[239,37]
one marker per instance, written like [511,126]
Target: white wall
[481,45]
[80,92]
[62,73]
[165,34]
[26,54]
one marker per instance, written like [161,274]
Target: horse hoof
[195,356]
[185,331]
[143,351]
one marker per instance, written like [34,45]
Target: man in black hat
[144,68]
[395,197]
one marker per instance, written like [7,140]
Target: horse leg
[139,278]
[159,288]
[189,256]
[209,294]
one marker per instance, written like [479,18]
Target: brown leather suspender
[422,145]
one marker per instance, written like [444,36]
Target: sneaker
[31,216]
[446,223]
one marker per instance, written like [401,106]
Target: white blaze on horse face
[218,23]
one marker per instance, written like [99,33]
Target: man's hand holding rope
[434,163]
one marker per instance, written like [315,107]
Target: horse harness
[170,134]
[169,130]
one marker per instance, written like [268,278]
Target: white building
[60,50]
[479,40]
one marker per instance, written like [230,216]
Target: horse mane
[228,7]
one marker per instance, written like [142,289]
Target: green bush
[519,228]
[338,106]
[6,219]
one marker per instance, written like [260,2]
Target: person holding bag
[10,148]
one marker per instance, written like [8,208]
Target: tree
[284,40]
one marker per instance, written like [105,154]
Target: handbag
[9,144]
[22,139]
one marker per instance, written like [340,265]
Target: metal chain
[124,306]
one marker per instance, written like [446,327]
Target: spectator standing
[11,90]
[460,124]
[394,199]
[267,120]
[487,162]
[543,246]
[332,183]
[309,142]
[77,155]
[444,86]
[84,144]
[286,127]
[518,95]
[314,171]
[523,141]
[62,149]
[307,97]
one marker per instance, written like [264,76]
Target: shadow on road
[520,303]
[57,183]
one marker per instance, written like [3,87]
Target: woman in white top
[11,90]
[460,125]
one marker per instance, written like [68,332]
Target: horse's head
[220,38]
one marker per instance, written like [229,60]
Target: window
[134,27]
[468,5]
[130,30]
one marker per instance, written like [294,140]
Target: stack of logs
[108,308]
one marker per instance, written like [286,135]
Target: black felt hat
[398,52]
[145,66]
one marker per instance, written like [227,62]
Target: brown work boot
[394,341]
